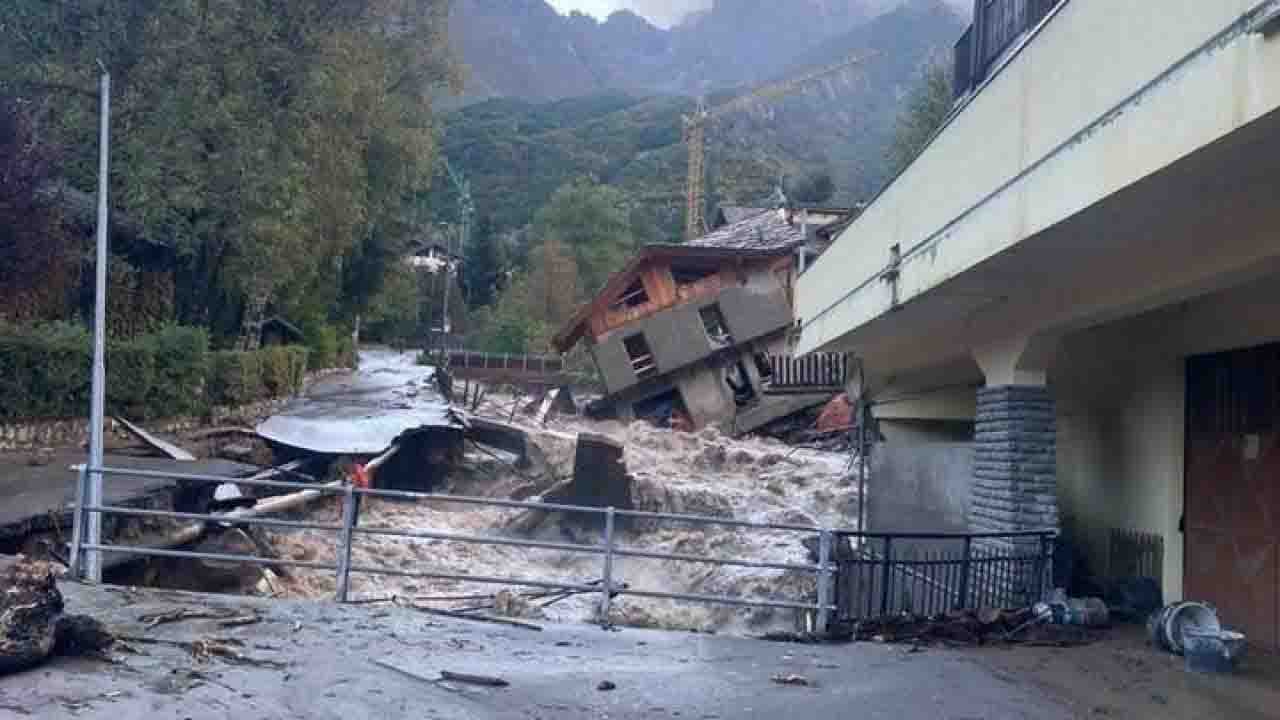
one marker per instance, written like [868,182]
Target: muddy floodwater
[703,473]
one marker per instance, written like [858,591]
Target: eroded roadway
[325,655]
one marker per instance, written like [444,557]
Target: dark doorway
[1232,489]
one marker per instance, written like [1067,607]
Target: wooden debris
[789,679]
[221,432]
[166,448]
[445,676]
[469,616]
[153,619]
[240,620]
[972,627]
[485,680]
[205,649]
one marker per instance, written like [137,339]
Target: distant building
[690,334]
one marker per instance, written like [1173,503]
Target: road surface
[322,665]
[362,412]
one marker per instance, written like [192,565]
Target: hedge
[45,373]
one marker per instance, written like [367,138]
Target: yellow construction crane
[695,133]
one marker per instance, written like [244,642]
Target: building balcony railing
[997,25]
[814,372]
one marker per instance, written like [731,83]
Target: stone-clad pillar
[1015,485]
[1015,466]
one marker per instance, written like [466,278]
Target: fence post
[77,525]
[965,562]
[344,542]
[887,578]
[606,583]
[824,580]
[1042,569]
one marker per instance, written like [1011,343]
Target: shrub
[299,356]
[181,366]
[235,378]
[44,376]
[322,341]
[283,369]
[131,371]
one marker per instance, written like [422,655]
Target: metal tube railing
[349,529]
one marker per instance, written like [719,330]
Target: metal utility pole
[466,210]
[695,134]
[97,409]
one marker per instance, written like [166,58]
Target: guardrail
[349,528]
[884,574]
[529,363]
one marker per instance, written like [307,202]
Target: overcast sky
[659,12]
[666,13]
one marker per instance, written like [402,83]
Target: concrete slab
[364,411]
[32,496]
[328,671]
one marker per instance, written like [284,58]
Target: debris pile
[33,627]
[1025,626]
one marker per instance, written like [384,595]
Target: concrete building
[1078,282]
[691,334]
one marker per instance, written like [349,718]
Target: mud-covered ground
[1121,676]
[703,473]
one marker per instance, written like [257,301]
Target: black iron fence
[883,574]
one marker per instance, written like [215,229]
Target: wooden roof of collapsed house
[757,233]
[573,330]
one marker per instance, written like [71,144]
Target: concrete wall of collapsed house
[30,435]
[678,339]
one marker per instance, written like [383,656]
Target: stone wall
[74,432]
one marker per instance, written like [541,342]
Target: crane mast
[695,133]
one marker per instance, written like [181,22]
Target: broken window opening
[740,382]
[642,360]
[764,365]
[691,275]
[635,296]
[713,323]
[666,410]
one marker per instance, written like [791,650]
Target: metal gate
[1232,492]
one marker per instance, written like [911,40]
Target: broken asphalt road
[319,660]
[363,412]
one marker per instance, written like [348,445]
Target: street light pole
[93,558]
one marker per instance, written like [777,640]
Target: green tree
[552,284]
[276,144]
[593,222]
[37,254]
[812,188]
[927,107]
[507,325]
[482,264]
